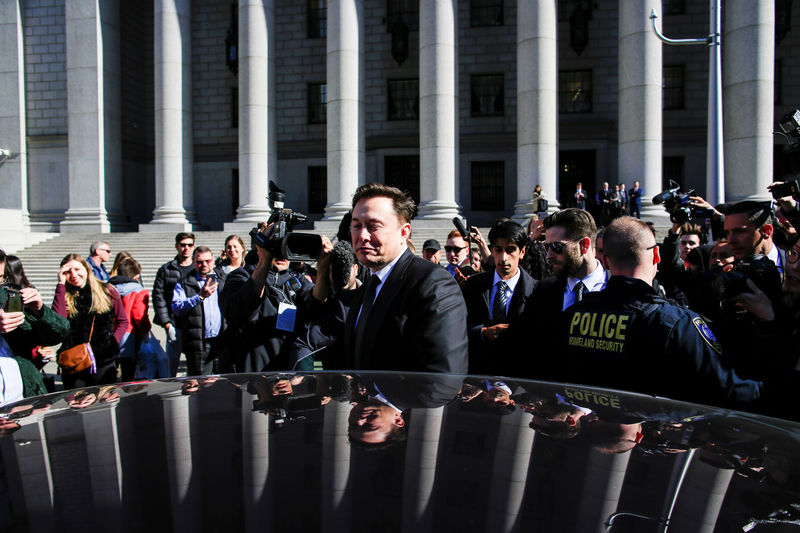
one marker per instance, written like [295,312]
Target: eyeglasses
[185,244]
[104,250]
[557,247]
[453,249]
[792,256]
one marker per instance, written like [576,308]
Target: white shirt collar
[595,281]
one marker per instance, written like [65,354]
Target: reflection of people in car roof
[379,419]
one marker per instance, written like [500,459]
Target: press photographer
[264,302]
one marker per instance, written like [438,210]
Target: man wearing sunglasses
[456,251]
[99,253]
[628,337]
[494,298]
[569,243]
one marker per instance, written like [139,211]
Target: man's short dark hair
[505,228]
[129,268]
[687,228]
[2,255]
[402,202]
[758,213]
[577,223]
[624,241]
[201,250]
[184,235]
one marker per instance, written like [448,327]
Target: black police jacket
[627,337]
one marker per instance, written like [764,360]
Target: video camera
[280,240]
[678,204]
[759,268]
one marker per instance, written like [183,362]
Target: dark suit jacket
[493,357]
[418,322]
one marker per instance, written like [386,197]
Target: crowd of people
[707,315]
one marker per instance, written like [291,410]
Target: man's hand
[31,299]
[787,203]
[460,278]
[10,321]
[492,333]
[756,302]
[208,289]
[699,202]
[483,248]
[536,231]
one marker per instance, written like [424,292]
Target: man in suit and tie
[494,298]
[410,314]
[569,241]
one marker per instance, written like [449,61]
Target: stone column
[537,105]
[422,451]
[345,109]
[257,143]
[438,109]
[173,120]
[337,494]
[93,109]
[748,56]
[13,162]
[640,75]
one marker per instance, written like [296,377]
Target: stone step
[41,261]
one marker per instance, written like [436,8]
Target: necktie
[499,304]
[578,290]
[366,304]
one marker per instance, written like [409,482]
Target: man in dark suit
[410,314]
[569,241]
[495,298]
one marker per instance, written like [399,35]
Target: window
[575,91]
[317,19]
[672,170]
[486,13]
[488,187]
[402,171]
[673,7]
[567,8]
[405,10]
[403,99]
[317,103]
[235,107]
[317,189]
[672,87]
[487,95]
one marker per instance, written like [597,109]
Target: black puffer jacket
[254,342]
[168,275]
[192,323]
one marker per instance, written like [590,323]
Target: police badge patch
[707,334]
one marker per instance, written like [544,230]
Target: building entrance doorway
[576,166]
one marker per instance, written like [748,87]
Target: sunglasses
[557,247]
[185,244]
[453,249]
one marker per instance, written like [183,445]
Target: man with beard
[569,242]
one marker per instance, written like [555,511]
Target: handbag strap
[91,331]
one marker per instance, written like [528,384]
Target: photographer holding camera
[265,303]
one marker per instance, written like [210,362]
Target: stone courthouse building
[165,114]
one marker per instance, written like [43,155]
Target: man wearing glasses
[99,253]
[456,251]
[569,242]
[168,275]
[628,337]
[195,305]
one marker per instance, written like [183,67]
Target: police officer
[630,338]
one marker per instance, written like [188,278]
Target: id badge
[286,315]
